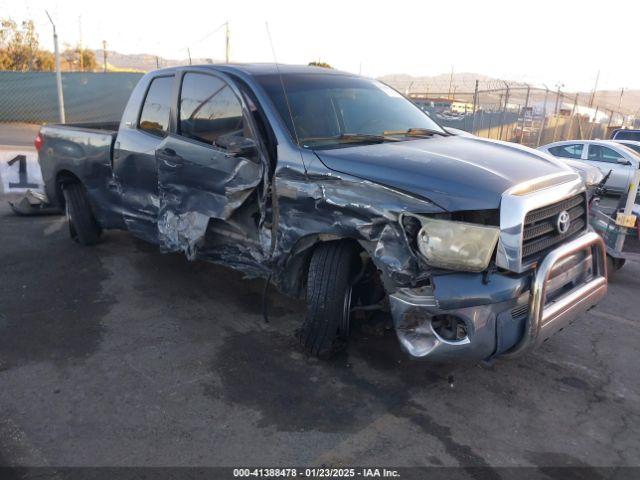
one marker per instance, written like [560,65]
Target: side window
[567,151]
[209,109]
[155,111]
[598,153]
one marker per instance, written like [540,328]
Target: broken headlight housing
[456,245]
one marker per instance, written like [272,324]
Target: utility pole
[189,53]
[226,42]
[104,55]
[58,74]
[450,83]
[157,62]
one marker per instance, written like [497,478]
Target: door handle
[174,161]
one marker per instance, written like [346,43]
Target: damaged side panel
[198,183]
[323,204]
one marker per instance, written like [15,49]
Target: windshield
[331,110]
[627,135]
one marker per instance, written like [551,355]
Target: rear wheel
[83,227]
[329,292]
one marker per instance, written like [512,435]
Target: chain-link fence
[31,97]
[493,109]
[520,113]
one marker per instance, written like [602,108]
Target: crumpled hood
[456,173]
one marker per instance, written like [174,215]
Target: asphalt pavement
[117,355]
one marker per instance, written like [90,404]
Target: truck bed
[83,151]
[101,127]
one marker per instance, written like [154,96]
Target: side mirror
[237,146]
[624,161]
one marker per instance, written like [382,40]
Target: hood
[455,172]
[590,174]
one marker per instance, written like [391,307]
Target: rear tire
[83,227]
[329,290]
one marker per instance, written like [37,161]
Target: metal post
[628,209]
[555,108]
[573,112]
[526,107]
[595,88]
[475,105]
[104,55]
[593,123]
[226,45]
[61,116]
[504,111]
[544,116]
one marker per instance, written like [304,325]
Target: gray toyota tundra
[337,189]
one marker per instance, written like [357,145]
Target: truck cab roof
[257,69]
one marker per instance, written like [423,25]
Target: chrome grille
[520,311]
[540,234]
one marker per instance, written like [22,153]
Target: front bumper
[511,315]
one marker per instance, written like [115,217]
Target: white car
[604,154]
[632,144]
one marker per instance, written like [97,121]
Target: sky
[562,42]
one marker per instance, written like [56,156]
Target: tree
[45,61]
[19,47]
[79,59]
[320,64]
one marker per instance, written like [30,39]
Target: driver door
[209,167]
[606,159]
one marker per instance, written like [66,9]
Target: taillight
[38,142]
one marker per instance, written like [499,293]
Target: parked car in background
[604,154]
[625,134]
[632,144]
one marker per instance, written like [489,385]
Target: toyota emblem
[563,222]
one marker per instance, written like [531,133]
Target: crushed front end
[546,269]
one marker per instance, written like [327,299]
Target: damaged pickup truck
[336,188]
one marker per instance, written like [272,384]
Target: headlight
[457,245]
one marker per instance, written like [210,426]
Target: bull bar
[544,318]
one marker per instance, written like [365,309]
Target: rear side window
[208,109]
[633,146]
[598,153]
[155,111]
[567,151]
[627,135]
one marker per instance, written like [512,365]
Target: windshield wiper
[417,132]
[356,137]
